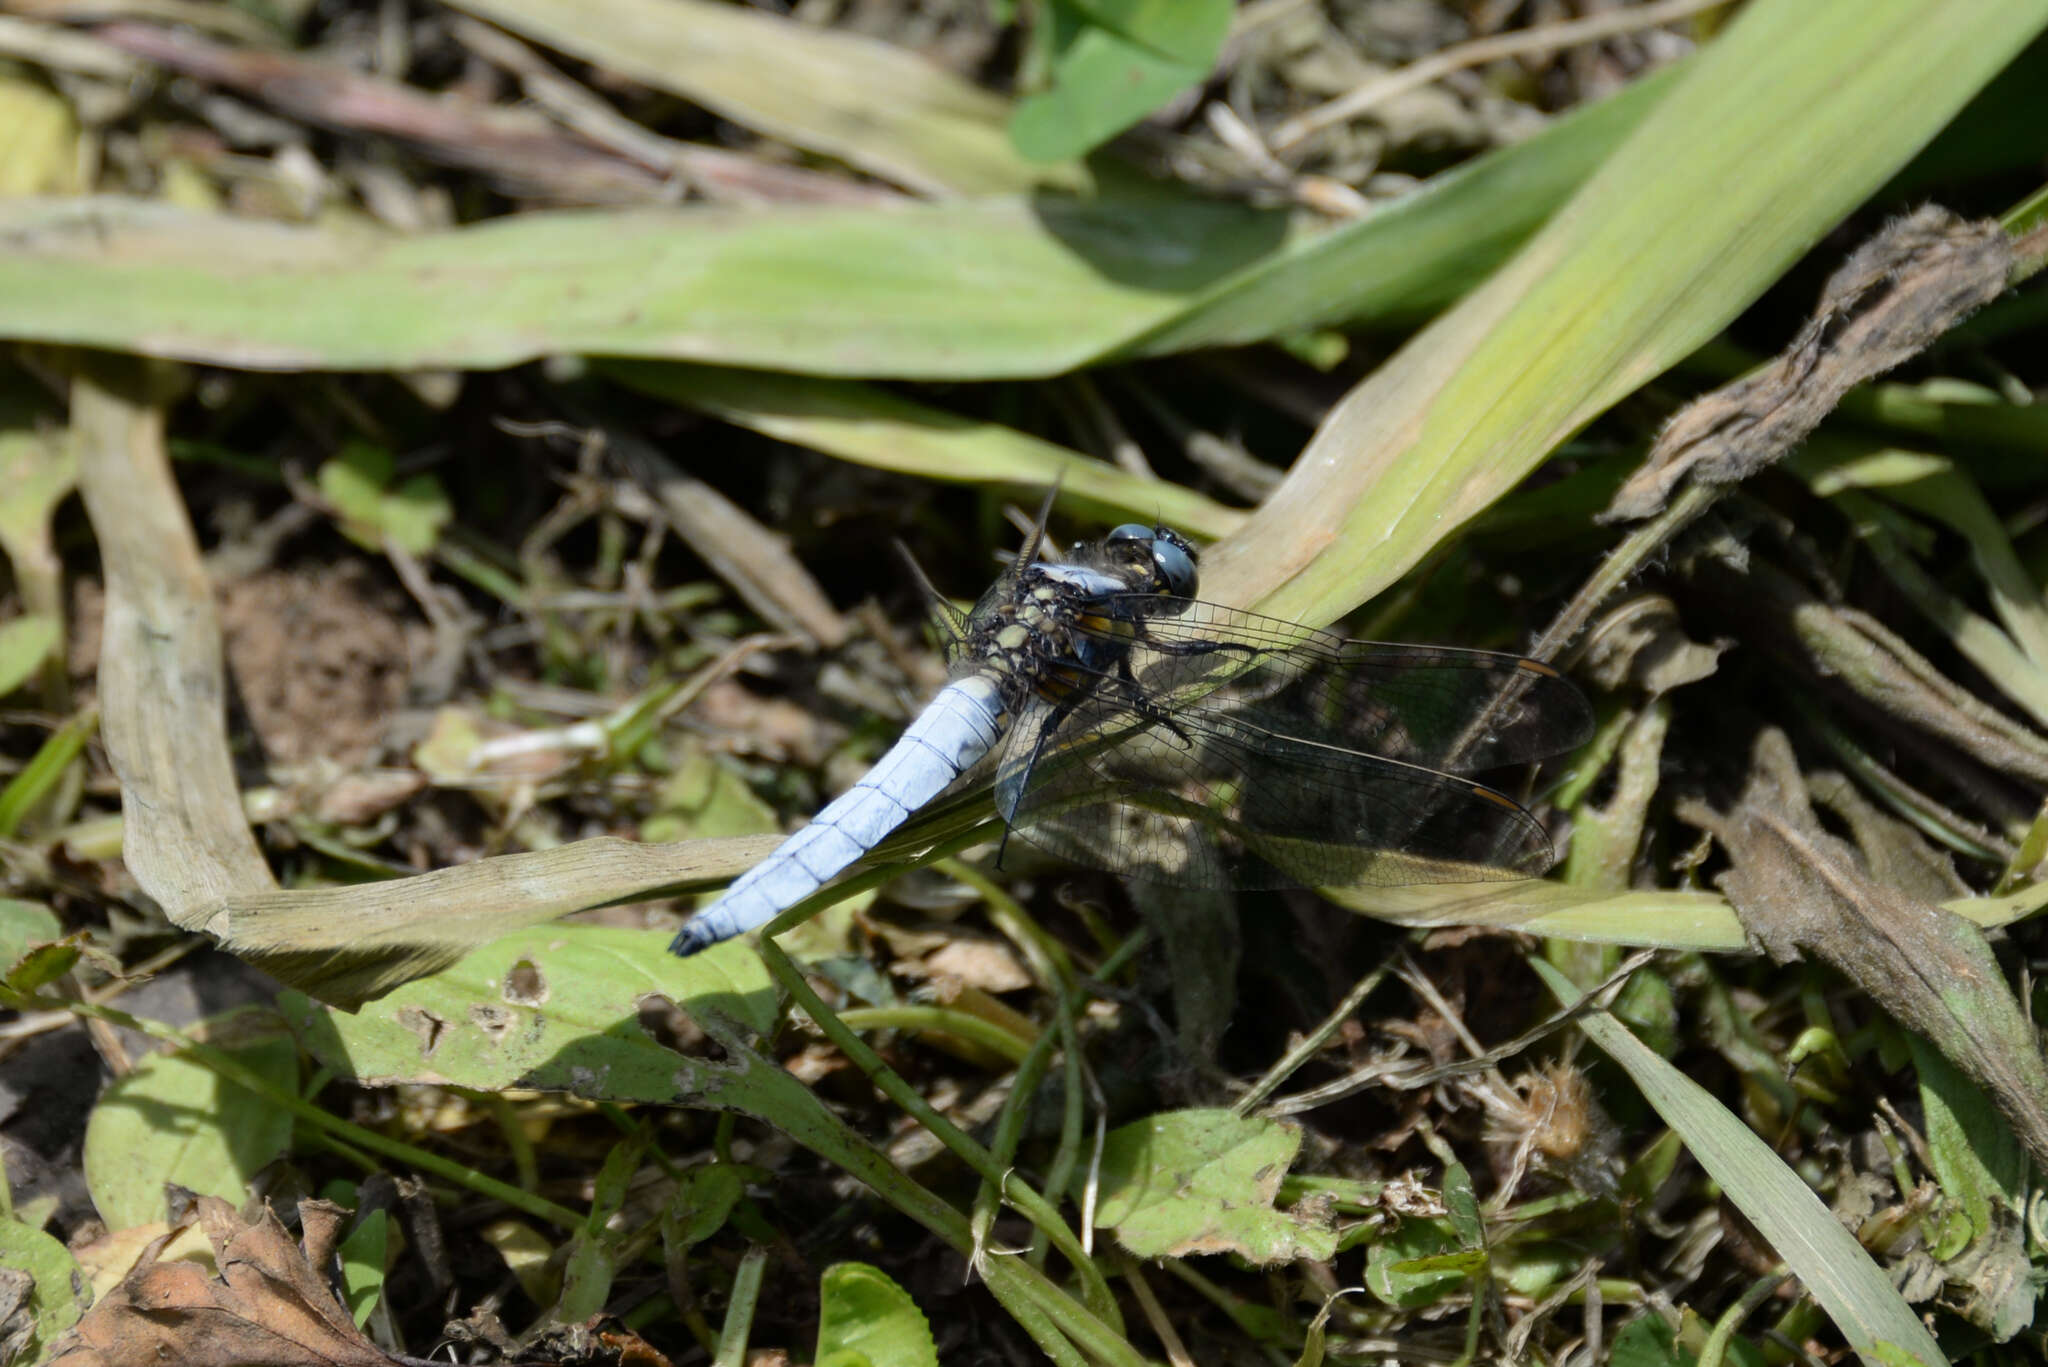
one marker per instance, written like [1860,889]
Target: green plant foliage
[408,513]
[1112,63]
[1985,1175]
[873,105]
[1204,1181]
[867,1320]
[1837,1271]
[58,1291]
[364,1257]
[976,289]
[173,1120]
[1649,1341]
[552,1006]
[847,247]
[42,780]
[1420,1263]
[22,925]
[25,642]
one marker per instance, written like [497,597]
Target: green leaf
[363,1259]
[587,1276]
[1102,83]
[1675,918]
[413,514]
[1647,1341]
[43,156]
[1983,1168]
[1976,1157]
[554,1007]
[45,771]
[173,1120]
[1837,1271]
[705,799]
[59,1293]
[1190,31]
[353,480]
[41,470]
[1419,1264]
[703,1201]
[23,924]
[38,967]
[25,643]
[1204,1181]
[1313,1341]
[357,481]
[867,1320]
[1461,1205]
[1114,62]
[593,1261]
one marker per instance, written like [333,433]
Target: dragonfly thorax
[1047,626]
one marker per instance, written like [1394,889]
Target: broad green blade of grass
[1786,123]
[1837,1272]
[878,107]
[1653,918]
[1673,919]
[961,290]
[873,427]
[997,288]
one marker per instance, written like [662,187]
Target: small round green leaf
[867,1320]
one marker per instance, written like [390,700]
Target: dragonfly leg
[1060,712]
[1145,707]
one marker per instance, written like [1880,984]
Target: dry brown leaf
[1641,643]
[1916,279]
[1801,891]
[269,1305]
[163,687]
[985,962]
[1856,657]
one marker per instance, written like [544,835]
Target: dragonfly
[1134,728]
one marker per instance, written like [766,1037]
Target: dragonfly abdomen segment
[960,726]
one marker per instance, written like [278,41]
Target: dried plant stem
[1543,38]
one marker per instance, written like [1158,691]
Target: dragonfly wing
[1209,797]
[1463,711]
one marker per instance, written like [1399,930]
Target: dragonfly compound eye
[1129,531]
[1175,565]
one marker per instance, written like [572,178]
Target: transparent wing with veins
[1218,748]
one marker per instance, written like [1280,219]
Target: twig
[1543,38]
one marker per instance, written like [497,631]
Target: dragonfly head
[1158,559]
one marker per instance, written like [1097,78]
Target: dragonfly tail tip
[691,939]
